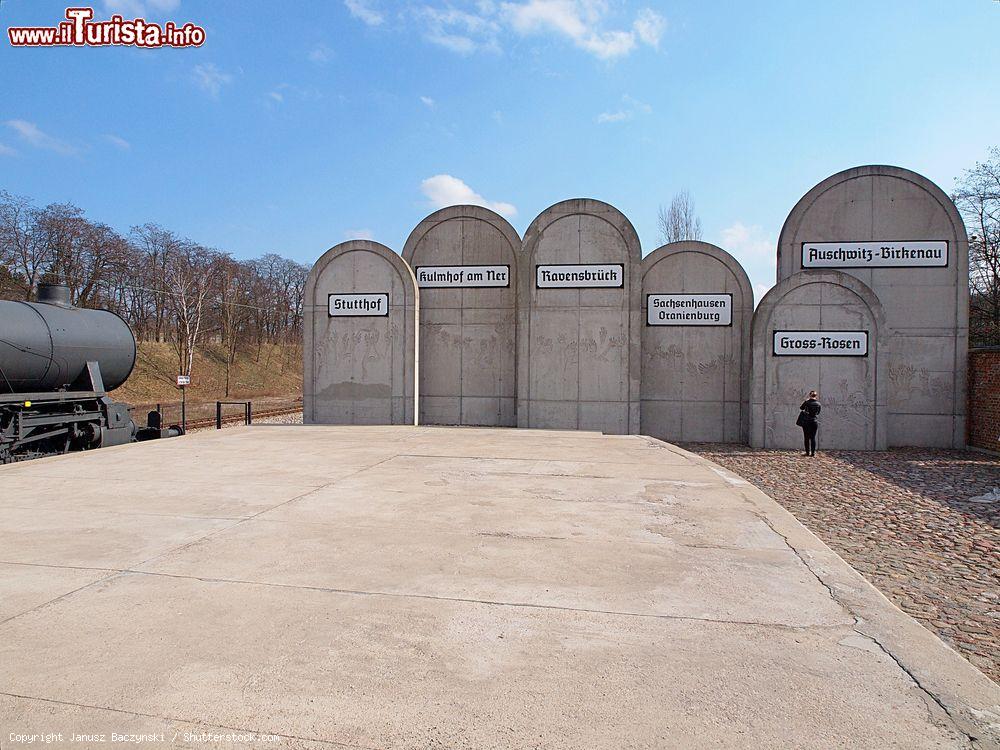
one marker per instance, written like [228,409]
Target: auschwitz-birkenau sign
[579,276]
[358,305]
[900,235]
[695,344]
[879,254]
[462,277]
[579,320]
[465,260]
[689,309]
[820,344]
[360,337]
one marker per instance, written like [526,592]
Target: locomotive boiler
[57,364]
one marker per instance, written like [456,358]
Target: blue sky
[299,124]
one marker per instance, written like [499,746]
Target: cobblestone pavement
[902,518]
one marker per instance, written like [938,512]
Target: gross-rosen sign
[581,276]
[879,254]
[689,309]
[458,277]
[375,305]
[821,343]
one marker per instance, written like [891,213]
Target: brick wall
[984,398]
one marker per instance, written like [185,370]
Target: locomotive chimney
[54,294]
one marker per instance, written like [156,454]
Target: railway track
[206,422]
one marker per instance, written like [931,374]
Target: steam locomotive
[57,364]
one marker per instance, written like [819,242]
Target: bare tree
[977,196]
[235,282]
[24,244]
[679,222]
[190,276]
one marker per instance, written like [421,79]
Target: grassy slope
[278,372]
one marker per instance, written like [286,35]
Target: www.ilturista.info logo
[80,30]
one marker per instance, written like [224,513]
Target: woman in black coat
[809,421]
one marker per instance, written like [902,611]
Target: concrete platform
[435,587]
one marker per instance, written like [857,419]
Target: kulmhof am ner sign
[373,305]
[689,309]
[462,277]
[821,343]
[582,276]
[880,254]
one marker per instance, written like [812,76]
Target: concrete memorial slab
[825,331]
[444,587]
[465,262]
[697,304]
[902,236]
[360,337]
[579,320]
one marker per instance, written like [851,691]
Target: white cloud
[210,79]
[468,26]
[7,151]
[629,109]
[750,241]
[460,31]
[582,22]
[649,27]
[365,12]
[30,133]
[428,102]
[320,54]
[359,234]
[140,8]
[276,96]
[117,140]
[443,190]
[757,250]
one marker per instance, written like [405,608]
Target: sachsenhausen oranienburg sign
[879,254]
[689,309]
[462,277]
[581,276]
[821,343]
[358,305]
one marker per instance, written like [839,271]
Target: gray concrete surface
[927,309]
[578,349]
[468,336]
[695,378]
[360,369]
[404,587]
[851,389]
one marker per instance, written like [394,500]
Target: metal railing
[247,411]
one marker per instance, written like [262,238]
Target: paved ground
[423,588]
[903,518]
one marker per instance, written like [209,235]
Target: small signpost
[182,382]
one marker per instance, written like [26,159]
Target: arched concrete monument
[697,306]
[821,330]
[360,337]
[579,320]
[901,235]
[465,262]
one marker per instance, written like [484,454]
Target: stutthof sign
[183,380]
[462,277]
[580,276]
[368,305]
[820,343]
[879,254]
[689,309]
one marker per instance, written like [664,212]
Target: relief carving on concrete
[695,370]
[362,369]
[464,362]
[852,389]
